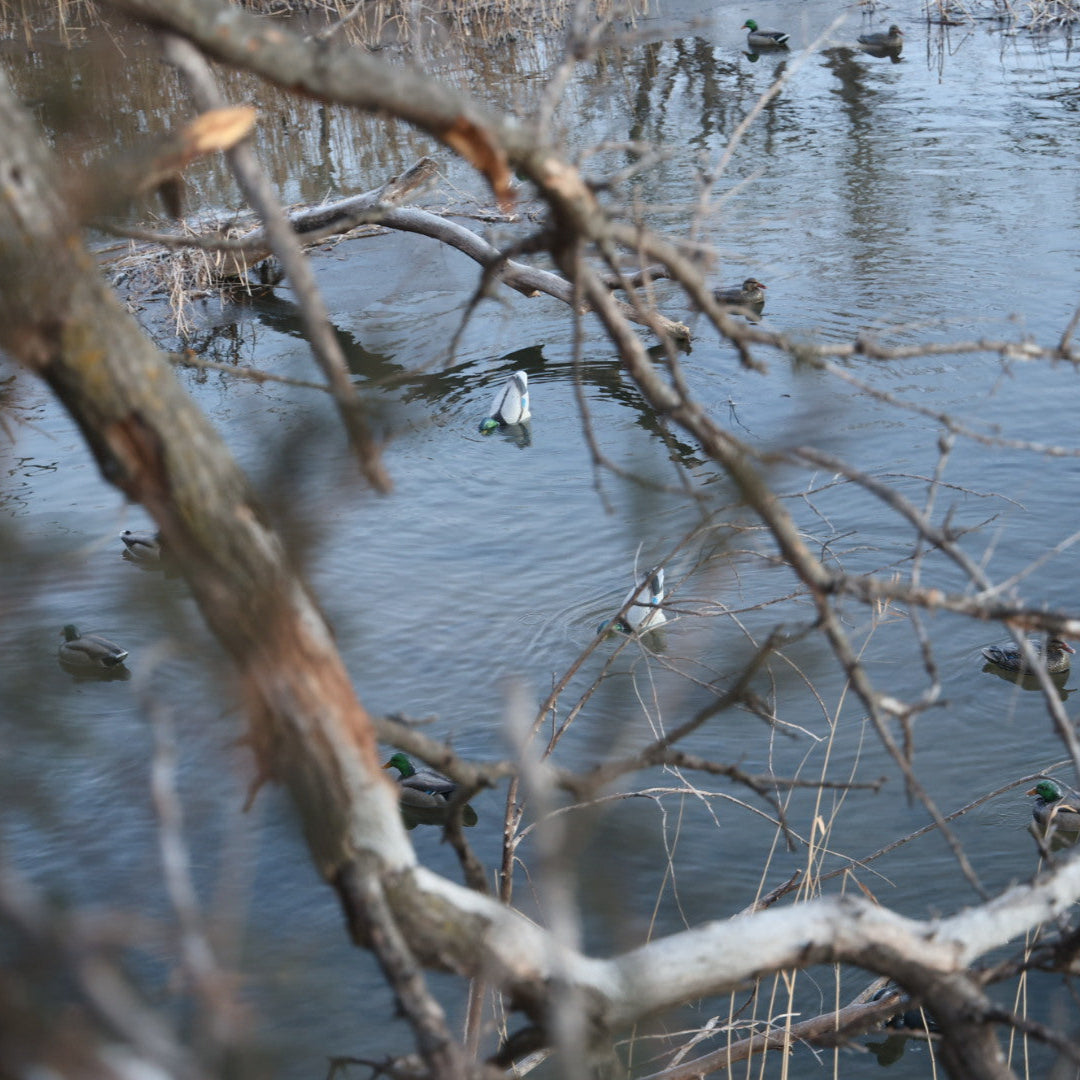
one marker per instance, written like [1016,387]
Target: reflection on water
[520,435]
[884,52]
[434,815]
[94,674]
[1027,681]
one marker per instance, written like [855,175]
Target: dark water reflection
[912,201]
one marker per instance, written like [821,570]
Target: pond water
[933,199]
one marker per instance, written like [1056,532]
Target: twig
[259,191]
[373,922]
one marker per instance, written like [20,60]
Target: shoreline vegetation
[392,24]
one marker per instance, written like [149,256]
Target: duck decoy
[758,38]
[916,1019]
[893,38]
[424,789]
[749,294]
[89,650]
[142,547]
[511,404]
[1053,807]
[1056,657]
[645,613]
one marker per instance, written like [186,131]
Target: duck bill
[1067,647]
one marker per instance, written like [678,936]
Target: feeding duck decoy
[424,789]
[89,650]
[758,38]
[645,613]
[142,547]
[511,404]
[749,294]
[893,38]
[1055,808]
[1056,656]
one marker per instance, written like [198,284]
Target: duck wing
[429,783]
[1002,655]
[768,37]
[92,650]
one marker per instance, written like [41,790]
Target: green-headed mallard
[89,650]
[425,794]
[764,39]
[1056,657]
[645,613]
[142,547]
[1053,807]
[511,404]
[893,38]
[749,294]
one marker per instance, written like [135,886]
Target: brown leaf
[219,129]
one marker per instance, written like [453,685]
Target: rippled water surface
[934,199]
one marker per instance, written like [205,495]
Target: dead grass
[371,23]
[377,23]
[1035,15]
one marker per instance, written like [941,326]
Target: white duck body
[511,404]
[144,547]
[644,613]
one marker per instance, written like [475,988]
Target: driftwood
[827,1029]
[237,258]
[381,206]
[314,224]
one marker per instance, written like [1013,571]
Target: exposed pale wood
[316,223]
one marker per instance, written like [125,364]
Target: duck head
[1047,790]
[403,765]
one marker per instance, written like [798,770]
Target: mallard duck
[89,650]
[425,795]
[511,404]
[645,612]
[749,294]
[893,38]
[144,547]
[1009,656]
[764,39]
[421,787]
[917,1019]
[1054,807]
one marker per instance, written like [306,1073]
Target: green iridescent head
[403,765]
[1047,790]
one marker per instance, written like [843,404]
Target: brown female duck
[1055,658]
